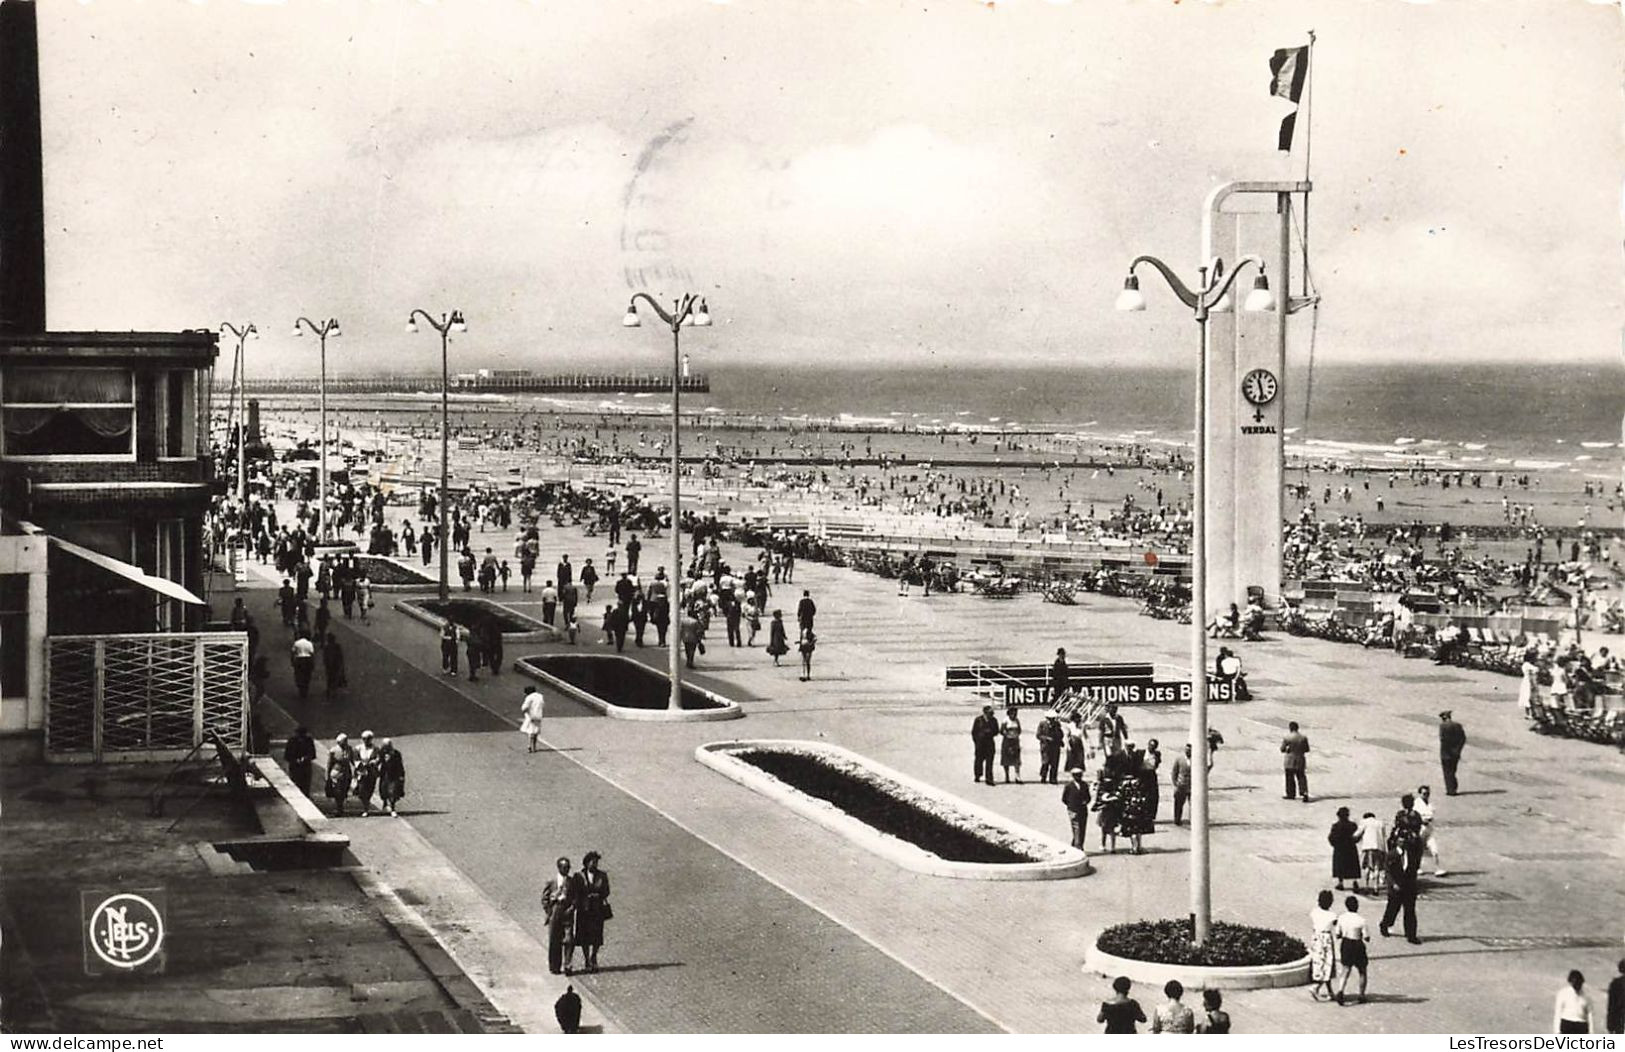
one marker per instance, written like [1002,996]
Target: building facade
[105,482]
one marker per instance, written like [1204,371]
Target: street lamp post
[330,327]
[238,363]
[1211,294]
[448,324]
[690,310]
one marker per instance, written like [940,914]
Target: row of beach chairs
[1605,728]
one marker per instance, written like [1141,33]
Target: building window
[68,412]
[13,634]
[177,437]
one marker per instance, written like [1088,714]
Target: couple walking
[576,906]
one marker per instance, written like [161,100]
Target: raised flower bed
[1235,956]
[914,825]
[626,689]
[469,613]
[391,576]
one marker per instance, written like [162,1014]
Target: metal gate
[151,696]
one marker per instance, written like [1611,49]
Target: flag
[1289,68]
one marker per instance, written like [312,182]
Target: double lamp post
[690,310]
[445,326]
[1211,295]
[330,327]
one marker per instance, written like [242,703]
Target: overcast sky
[929,181]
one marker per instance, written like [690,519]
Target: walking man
[558,904]
[303,656]
[1430,840]
[984,732]
[1452,738]
[1294,748]
[1404,860]
[1076,799]
[1181,775]
[633,548]
[807,609]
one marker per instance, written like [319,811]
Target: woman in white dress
[530,711]
[1526,688]
[1322,954]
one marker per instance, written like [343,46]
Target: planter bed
[392,576]
[471,612]
[626,689]
[1236,956]
[915,825]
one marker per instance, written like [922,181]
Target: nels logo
[124,931]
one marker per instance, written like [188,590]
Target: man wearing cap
[1452,738]
[1076,799]
[984,731]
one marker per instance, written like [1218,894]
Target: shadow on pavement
[651,967]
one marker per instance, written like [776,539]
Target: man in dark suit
[1294,749]
[1060,678]
[1452,739]
[1076,798]
[1404,861]
[806,610]
[565,572]
[984,733]
[558,904]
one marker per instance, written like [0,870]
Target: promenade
[732,914]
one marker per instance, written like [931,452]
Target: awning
[163,586]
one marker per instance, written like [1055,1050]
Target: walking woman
[808,642]
[1345,850]
[1010,744]
[366,772]
[340,772]
[391,775]
[777,644]
[1109,803]
[1322,953]
[592,909]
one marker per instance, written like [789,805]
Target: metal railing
[148,696]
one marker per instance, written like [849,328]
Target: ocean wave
[1539,465]
[1598,445]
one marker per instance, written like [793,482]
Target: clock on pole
[1260,387]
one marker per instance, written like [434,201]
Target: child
[504,573]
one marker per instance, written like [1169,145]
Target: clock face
[1259,387]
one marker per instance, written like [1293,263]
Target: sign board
[124,931]
[1126,692]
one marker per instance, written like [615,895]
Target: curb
[1068,861]
[729,710]
[1197,977]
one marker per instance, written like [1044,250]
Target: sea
[1538,417]
[1561,418]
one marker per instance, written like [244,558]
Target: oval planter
[540,633]
[1197,976]
[726,708]
[1061,861]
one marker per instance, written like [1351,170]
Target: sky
[938,182]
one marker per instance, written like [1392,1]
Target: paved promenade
[733,914]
